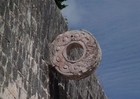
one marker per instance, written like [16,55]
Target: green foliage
[59,4]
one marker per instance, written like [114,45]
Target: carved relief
[75,54]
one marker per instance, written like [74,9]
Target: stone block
[4,60]
[1,75]
[19,64]
[15,73]
[9,67]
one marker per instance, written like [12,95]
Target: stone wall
[27,27]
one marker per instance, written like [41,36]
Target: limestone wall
[27,27]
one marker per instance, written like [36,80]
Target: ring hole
[74,51]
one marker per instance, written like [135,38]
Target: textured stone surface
[26,29]
[75,54]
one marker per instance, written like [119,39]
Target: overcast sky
[116,26]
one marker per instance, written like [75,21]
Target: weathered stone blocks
[26,29]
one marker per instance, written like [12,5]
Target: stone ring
[75,54]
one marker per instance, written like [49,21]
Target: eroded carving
[64,50]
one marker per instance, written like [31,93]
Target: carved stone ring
[75,54]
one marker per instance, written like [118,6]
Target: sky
[116,26]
